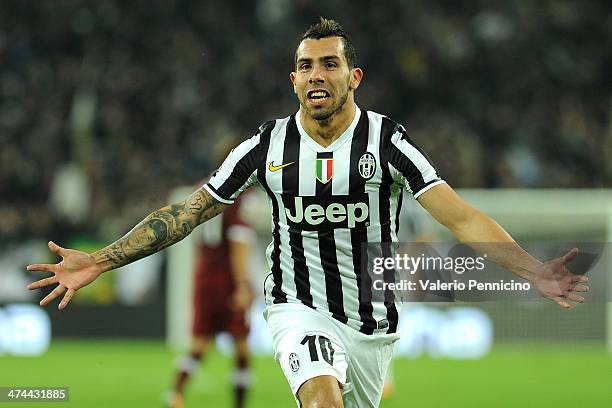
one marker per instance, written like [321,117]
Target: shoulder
[388,125]
[262,133]
[268,128]
[257,145]
[262,130]
[391,131]
[274,124]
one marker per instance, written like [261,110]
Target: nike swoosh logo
[272,167]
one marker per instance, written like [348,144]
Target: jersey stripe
[359,235]
[327,251]
[386,130]
[379,311]
[291,154]
[278,295]
[398,212]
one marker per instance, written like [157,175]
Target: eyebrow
[325,58]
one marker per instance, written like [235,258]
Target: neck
[325,132]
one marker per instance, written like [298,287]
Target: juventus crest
[367,165]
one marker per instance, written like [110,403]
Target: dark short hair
[330,28]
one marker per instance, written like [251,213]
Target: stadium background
[107,107]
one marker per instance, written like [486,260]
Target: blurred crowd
[105,107]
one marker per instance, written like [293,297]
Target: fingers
[41,268]
[42,283]
[47,267]
[56,248]
[574,297]
[581,287]
[580,278]
[55,293]
[573,253]
[66,299]
[561,302]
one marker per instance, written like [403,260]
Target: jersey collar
[348,134]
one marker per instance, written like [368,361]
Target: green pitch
[120,374]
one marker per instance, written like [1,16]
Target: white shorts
[308,344]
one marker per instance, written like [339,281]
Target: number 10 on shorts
[325,346]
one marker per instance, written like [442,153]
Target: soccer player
[334,174]
[222,297]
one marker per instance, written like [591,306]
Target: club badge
[367,165]
[294,362]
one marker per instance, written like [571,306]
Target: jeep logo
[335,215]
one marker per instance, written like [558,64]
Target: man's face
[323,80]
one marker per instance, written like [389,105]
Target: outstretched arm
[552,279]
[158,230]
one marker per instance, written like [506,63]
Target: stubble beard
[324,116]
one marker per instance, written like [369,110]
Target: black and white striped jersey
[326,203]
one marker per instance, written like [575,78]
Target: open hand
[77,269]
[554,281]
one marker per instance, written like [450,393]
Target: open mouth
[317,95]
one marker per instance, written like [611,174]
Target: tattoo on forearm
[161,229]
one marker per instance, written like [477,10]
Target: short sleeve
[409,166]
[239,170]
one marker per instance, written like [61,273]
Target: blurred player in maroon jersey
[222,297]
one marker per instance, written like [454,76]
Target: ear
[356,76]
[292,78]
